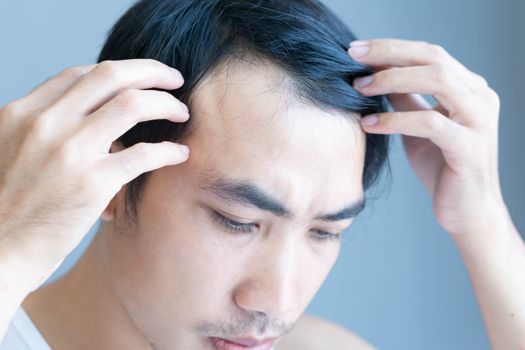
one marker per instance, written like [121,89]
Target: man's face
[279,168]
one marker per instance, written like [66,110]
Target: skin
[134,273]
[453,149]
[245,284]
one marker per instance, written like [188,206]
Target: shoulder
[312,333]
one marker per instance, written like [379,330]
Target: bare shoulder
[312,333]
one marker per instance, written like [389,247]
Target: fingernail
[358,50]
[363,81]
[185,149]
[185,108]
[369,120]
[359,43]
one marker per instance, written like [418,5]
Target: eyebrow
[247,193]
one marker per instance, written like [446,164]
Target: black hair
[303,38]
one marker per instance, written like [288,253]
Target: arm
[56,173]
[495,259]
[453,149]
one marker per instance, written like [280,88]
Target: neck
[80,310]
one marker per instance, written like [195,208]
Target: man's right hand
[56,172]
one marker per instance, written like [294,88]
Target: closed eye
[232,225]
[324,235]
[236,227]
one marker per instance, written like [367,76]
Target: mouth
[242,343]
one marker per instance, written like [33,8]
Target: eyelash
[231,225]
[236,227]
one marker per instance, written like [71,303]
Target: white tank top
[22,334]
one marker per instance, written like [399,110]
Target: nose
[271,285]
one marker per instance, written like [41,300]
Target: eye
[230,225]
[236,227]
[324,235]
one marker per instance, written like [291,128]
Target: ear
[109,213]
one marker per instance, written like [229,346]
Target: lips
[242,344]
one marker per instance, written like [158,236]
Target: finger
[108,78]
[142,157]
[400,53]
[49,91]
[442,83]
[126,110]
[383,54]
[428,124]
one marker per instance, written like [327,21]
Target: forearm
[495,259]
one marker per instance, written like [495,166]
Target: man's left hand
[452,147]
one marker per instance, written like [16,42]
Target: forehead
[248,123]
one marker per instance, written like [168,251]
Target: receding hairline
[245,56]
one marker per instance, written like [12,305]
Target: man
[224,248]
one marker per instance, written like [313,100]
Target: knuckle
[107,70]
[140,150]
[155,63]
[38,128]
[443,74]
[71,73]
[13,108]
[438,51]
[128,100]
[161,66]
[389,48]
[424,44]
[434,121]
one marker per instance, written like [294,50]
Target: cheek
[170,278]
[166,270]
[316,269]
[173,255]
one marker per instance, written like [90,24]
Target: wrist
[493,238]
[20,270]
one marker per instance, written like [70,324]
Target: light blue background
[399,282]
